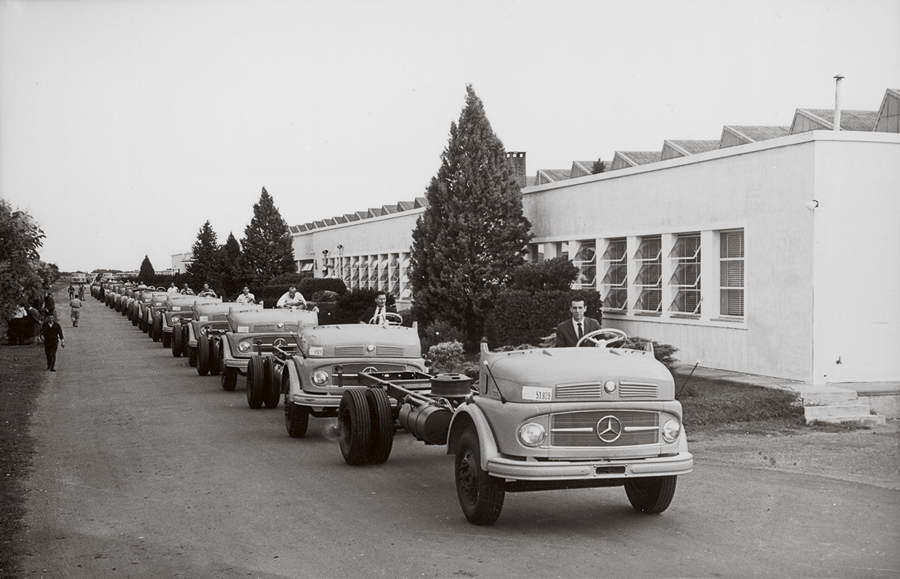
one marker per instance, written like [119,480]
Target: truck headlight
[244,347]
[175,320]
[531,434]
[610,386]
[320,378]
[671,430]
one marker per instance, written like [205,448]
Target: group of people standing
[37,324]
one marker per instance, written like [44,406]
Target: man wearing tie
[375,314]
[570,331]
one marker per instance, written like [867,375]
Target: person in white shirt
[246,297]
[206,292]
[291,299]
[172,289]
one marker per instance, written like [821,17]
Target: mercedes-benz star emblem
[279,343]
[609,429]
[369,369]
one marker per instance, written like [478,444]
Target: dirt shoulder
[868,456]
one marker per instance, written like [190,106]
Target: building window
[585,261]
[648,260]
[373,272]
[395,276]
[731,273]
[685,280]
[615,279]
[405,287]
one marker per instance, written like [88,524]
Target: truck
[534,419]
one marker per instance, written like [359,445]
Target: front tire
[177,344]
[203,355]
[296,419]
[272,390]
[229,379]
[256,378]
[167,340]
[651,495]
[480,494]
[216,357]
[355,428]
[382,425]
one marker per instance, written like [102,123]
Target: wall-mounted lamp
[812,204]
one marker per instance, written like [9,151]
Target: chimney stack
[837,103]
[517,161]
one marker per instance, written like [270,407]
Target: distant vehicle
[79,277]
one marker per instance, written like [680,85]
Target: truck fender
[293,376]
[470,416]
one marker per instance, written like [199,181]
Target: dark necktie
[580,331]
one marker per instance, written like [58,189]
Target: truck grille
[638,390]
[578,391]
[348,375]
[358,350]
[598,428]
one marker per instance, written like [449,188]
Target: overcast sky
[125,125]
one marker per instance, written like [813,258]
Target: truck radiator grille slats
[638,390]
[360,350]
[578,391]
[597,428]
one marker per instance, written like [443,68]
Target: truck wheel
[167,340]
[185,334]
[296,419]
[651,495]
[133,317]
[203,355]
[229,379]
[255,376]
[480,494]
[382,425]
[156,331]
[192,356]
[355,429]
[216,355]
[177,344]
[271,389]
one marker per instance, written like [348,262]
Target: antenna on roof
[837,102]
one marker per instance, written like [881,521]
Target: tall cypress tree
[147,274]
[230,257]
[473,232]
[205,262]
[268,249]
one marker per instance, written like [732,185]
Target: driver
[291,299]
[376,314]
[570,331]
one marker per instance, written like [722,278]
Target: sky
[125,125]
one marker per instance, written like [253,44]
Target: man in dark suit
[375,314]
[569,332]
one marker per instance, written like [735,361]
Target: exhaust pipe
[837,103]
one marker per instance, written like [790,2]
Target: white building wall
[819,284]
[856,267]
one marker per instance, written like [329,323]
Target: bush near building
[524,317]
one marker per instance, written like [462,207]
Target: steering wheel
[390,319]
[618,336]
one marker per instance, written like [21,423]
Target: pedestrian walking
[81,292]
[35,315]
[75,307]
[52,333]
[49,304]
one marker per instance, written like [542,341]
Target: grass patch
[20,384]
[719,404]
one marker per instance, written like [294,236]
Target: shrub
[445,356]
[287,280]
[437,332]
[551,274]
[665,353]
[311,285]
[325,296]
[523,317]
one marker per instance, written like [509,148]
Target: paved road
[145,469]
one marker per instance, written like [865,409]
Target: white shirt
[286,301]
[247,298]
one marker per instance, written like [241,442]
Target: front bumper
[500,467]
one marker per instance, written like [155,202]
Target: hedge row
[523,317]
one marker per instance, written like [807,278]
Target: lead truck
[538,419]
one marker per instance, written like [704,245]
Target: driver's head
[246,290]
[380,299]
[292,291]
[577,308]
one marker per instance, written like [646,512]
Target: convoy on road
[528,420]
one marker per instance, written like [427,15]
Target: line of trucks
[528,420]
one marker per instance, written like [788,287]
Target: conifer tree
[205,262]
[230,257]
[473,232]
[268,249]
[147,274]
